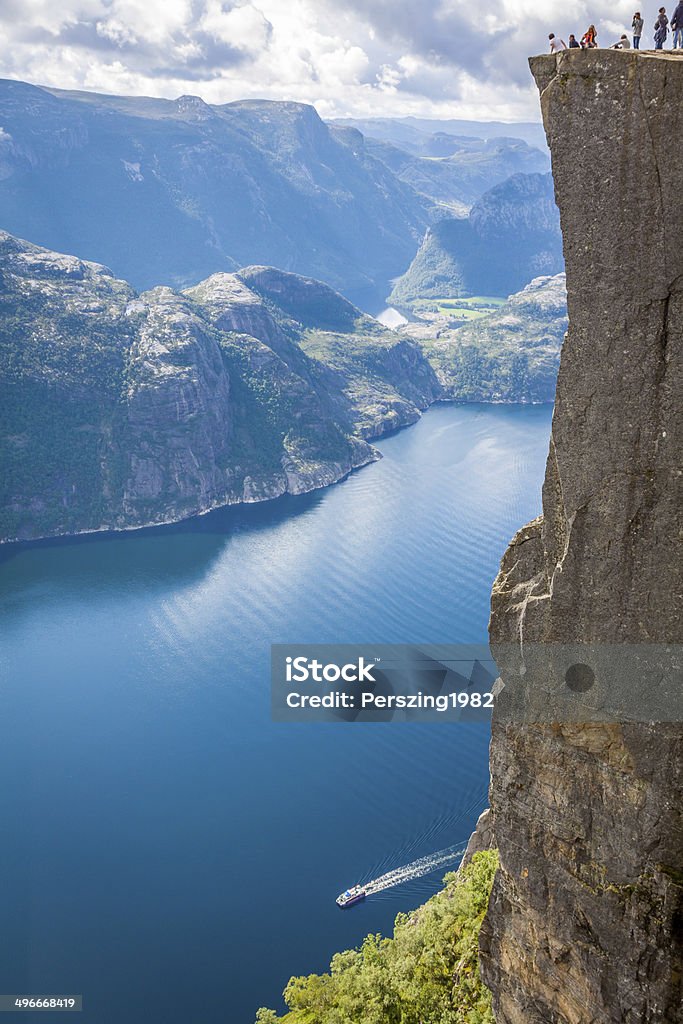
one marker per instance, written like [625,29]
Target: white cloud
[115,30]
[245,27]
[445,58]
[154,21]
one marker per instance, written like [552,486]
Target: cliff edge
[584,922]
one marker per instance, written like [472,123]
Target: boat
[353,895]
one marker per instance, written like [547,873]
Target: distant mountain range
[171,191]
[122,409]
[413,133]
[512,234]
[457,171]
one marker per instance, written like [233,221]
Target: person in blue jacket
[677,26]
[661,29]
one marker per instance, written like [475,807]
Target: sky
[428,58]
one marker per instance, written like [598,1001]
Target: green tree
[428,971]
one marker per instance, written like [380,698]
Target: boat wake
[452,855]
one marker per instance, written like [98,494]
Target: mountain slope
[121,409]
[511,355]
[428,971]
[171,191]
[511,235]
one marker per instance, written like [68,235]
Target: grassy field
[464,310]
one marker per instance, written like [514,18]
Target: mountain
[457,171]
[414,133]
[121,409]
[511,235]
[584,921]
[171,191]
[511,355]
[451,170]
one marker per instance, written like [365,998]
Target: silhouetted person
[677,26]
[661,29]
[637,27]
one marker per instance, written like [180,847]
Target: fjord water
[169,852]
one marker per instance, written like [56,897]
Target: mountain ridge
[121,409]
[510,236]
[197,189]
[171,191]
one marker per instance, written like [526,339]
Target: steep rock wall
[585,918]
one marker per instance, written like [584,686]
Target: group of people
[589,40]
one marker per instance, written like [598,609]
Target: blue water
[166,850]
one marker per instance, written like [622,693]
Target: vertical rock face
[585,918]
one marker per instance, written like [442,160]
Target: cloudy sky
[433,58]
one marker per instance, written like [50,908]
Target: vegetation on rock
[119,409]
[510,354]
[428,971]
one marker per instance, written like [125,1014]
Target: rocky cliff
[584,923]
[120,409]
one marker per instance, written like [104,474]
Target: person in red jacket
[590,38]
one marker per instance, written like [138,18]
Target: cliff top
[592,55]
[545,66]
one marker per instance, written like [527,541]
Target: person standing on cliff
[637,27]
[677,26]
[556,44]
[661,29]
